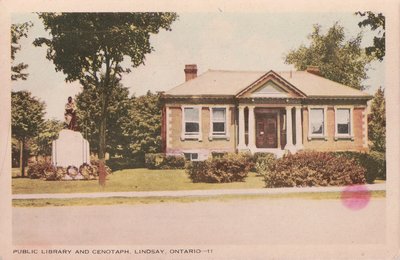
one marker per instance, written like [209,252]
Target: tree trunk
[102,148]
[104,97]
[21,157]
[102,135]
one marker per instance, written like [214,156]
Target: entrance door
[266,131]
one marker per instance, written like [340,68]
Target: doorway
[267,130]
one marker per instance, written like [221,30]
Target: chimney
[313,70]
[190,71]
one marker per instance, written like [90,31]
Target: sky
[212,40]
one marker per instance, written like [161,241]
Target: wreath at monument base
[46,171]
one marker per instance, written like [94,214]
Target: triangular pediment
[270,85]
[270,88]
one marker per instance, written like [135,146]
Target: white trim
[168,127]
[299,128]
[365,127]
[241,141]
[351,129]
[324,135]
[271,95]
[251,128]
[289,129]
[211,134]
[184,136]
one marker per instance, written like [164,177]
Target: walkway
[186,193]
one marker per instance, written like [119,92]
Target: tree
[91,47]
[376,22]
[17,32]
[42,143]
[338,59]
[144,128]
[89,116]
[27,114]
[377,122]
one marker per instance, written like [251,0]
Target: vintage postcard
[199,130]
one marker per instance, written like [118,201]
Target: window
[317,122]
[219,121]
[191,156]
[343,122]
[191,121]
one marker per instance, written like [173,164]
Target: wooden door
[266,131]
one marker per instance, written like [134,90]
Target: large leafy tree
[91,48]
[27,114]
[18,31]
[377,122]
[42,143]
[376,21]
[338,59]
[144,128]
[89,116]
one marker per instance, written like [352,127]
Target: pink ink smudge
[355,197]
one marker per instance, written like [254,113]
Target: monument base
[70,149]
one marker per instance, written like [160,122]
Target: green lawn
[129,180]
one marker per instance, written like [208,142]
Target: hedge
[163,161]
[313,169]
[124,163]
[230,167]
[373,162]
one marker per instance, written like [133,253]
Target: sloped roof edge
[279,77]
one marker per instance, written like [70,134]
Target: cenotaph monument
[70,149]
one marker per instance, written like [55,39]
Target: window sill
[344,137]
[191,137]
[317,137]
[218,137]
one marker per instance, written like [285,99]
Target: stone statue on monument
[70,115]
[70,150]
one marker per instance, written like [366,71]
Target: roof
[230,83]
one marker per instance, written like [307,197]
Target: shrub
[173,162]
[374,163]
[39,170]
[95,166]
[249,158]
[162,161]
[263,162]
[380,160]
[154,160]
[229,168]
[313,169]
[121,163]
[218,154]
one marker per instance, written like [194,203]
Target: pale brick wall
[204,148]
[359,125]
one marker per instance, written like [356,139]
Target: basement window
[191,156]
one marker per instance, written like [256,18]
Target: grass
[129,180]
[188,199]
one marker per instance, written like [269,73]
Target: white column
[241,144]
[299,129]
[289,136]
[252,137]
[54,153]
